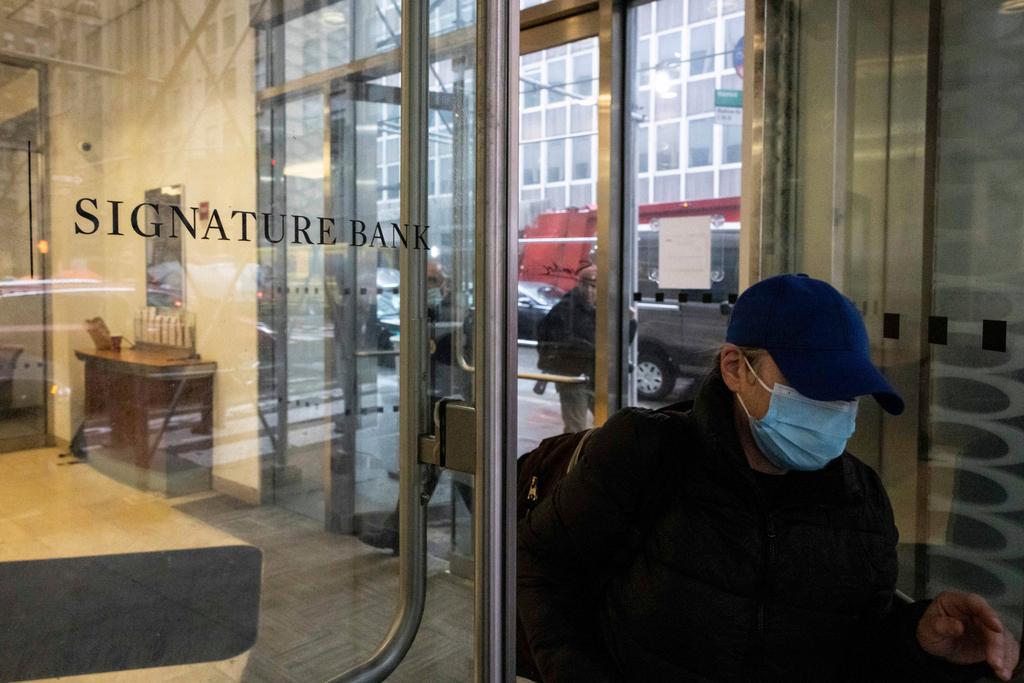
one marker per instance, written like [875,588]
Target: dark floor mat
[95,614]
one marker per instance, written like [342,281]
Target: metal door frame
[494,519]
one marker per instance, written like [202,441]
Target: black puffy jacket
[565,336]
[661,557]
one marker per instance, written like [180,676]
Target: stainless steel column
[612,337]
[495,348]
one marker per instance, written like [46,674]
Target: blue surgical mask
[799,433]
[435,297]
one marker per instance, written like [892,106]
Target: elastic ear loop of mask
[756,376]
[744,405]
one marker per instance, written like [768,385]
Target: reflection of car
[388,325]
[676,341]
[163,285]
[679,340]
[725,274]
[535,301]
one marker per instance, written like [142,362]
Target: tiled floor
[327,599]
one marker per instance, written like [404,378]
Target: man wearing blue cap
[739,541]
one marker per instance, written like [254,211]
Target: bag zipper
[531,495]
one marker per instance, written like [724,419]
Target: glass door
[300,481]
[24,287]
[247,483]
[558,231]
[897,154]
[685,94]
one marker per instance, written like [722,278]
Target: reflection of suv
[725,276]
[535,301]
[676,341]
[679,340]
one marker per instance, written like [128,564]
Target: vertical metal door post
[495,348]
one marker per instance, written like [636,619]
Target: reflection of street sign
[737,57]
[729,107]
[728,98]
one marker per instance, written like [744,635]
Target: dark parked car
[676,341]
[535,301]
[725,274]
[678,338]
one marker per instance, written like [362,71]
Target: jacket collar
[713,414]
[578,299]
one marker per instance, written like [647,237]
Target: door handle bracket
[453,443]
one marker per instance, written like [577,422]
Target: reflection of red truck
[558,244]
[675,340]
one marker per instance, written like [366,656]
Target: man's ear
[730,364]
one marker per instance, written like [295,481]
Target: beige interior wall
[177,115]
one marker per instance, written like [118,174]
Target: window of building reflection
[685,188]
[557,223]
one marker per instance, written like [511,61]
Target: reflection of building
[682,59]
[558,128]
[681,153]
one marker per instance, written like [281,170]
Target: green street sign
[728,98]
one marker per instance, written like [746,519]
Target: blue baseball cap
[816,337]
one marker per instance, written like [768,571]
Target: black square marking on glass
[683,297]
[993,335]
[705,297]
[938,329]
[638,296]
[362,290]
[732,298]
[891,326]
[659,296]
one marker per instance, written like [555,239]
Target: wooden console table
[149,418]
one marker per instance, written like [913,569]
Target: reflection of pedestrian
[566,347]
[447,377]
[447,380]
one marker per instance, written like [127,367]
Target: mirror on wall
[165,263]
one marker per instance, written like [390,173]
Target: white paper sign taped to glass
[684,252]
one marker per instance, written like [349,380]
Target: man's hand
[962,628]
